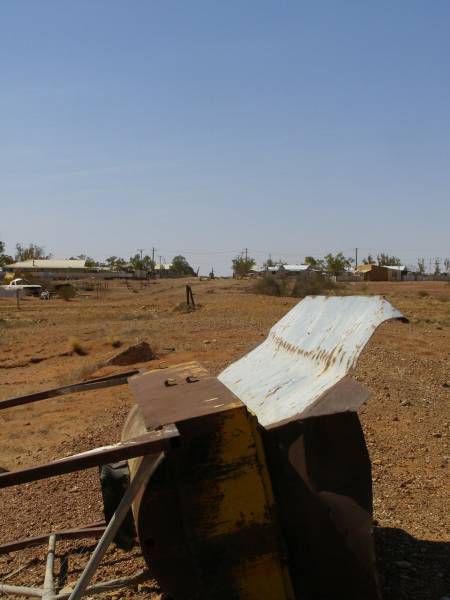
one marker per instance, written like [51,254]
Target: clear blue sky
[202,128]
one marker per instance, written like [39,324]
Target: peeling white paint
[307,352]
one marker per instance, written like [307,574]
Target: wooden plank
[150,443]
[83,386]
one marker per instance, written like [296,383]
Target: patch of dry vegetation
[75,347]
[313,284]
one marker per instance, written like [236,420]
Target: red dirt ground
[406,421]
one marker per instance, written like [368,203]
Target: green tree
[447,265]
[437,266]
[242,265]
[5,259]
[141,264]
[336,265]
[315,263]
[421,265]
[111,261]
[32,251]
[90,262]
[385,260]
[181,267]
[369,260]
[269,263]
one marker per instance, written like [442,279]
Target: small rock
[206,341]
[438,434]
[403,564]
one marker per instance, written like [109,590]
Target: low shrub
[271,285]
[66,291]
[314,284]
[311,284]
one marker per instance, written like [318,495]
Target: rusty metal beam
[83,386]
[66,534]
[150,443]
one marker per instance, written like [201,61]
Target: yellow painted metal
[222,487]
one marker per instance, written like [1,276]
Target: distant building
[382,273]
[294,269]
[162,267]
[48,267]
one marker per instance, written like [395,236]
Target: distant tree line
[336,264]
[179,264]
[333,264]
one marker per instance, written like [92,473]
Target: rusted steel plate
[185,391]
[307,352]
[152,442]
[320,471]
[83,386]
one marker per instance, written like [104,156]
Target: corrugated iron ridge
[307,352]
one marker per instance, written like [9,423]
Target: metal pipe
[20,590]
[113,584]
[49,584]
[146,469]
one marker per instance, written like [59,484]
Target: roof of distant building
[49,263]
[296,267]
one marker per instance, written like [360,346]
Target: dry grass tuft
[81,373]
[114,341]
[75,347]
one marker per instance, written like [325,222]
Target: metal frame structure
[145,446]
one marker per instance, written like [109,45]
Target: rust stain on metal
[306,353]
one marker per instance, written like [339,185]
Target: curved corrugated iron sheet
[307,352]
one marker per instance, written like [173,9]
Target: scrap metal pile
[252,485]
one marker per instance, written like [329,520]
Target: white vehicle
[22,284]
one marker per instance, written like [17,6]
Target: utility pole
[141,250]
[153,255]
[356,258]
[246,254]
